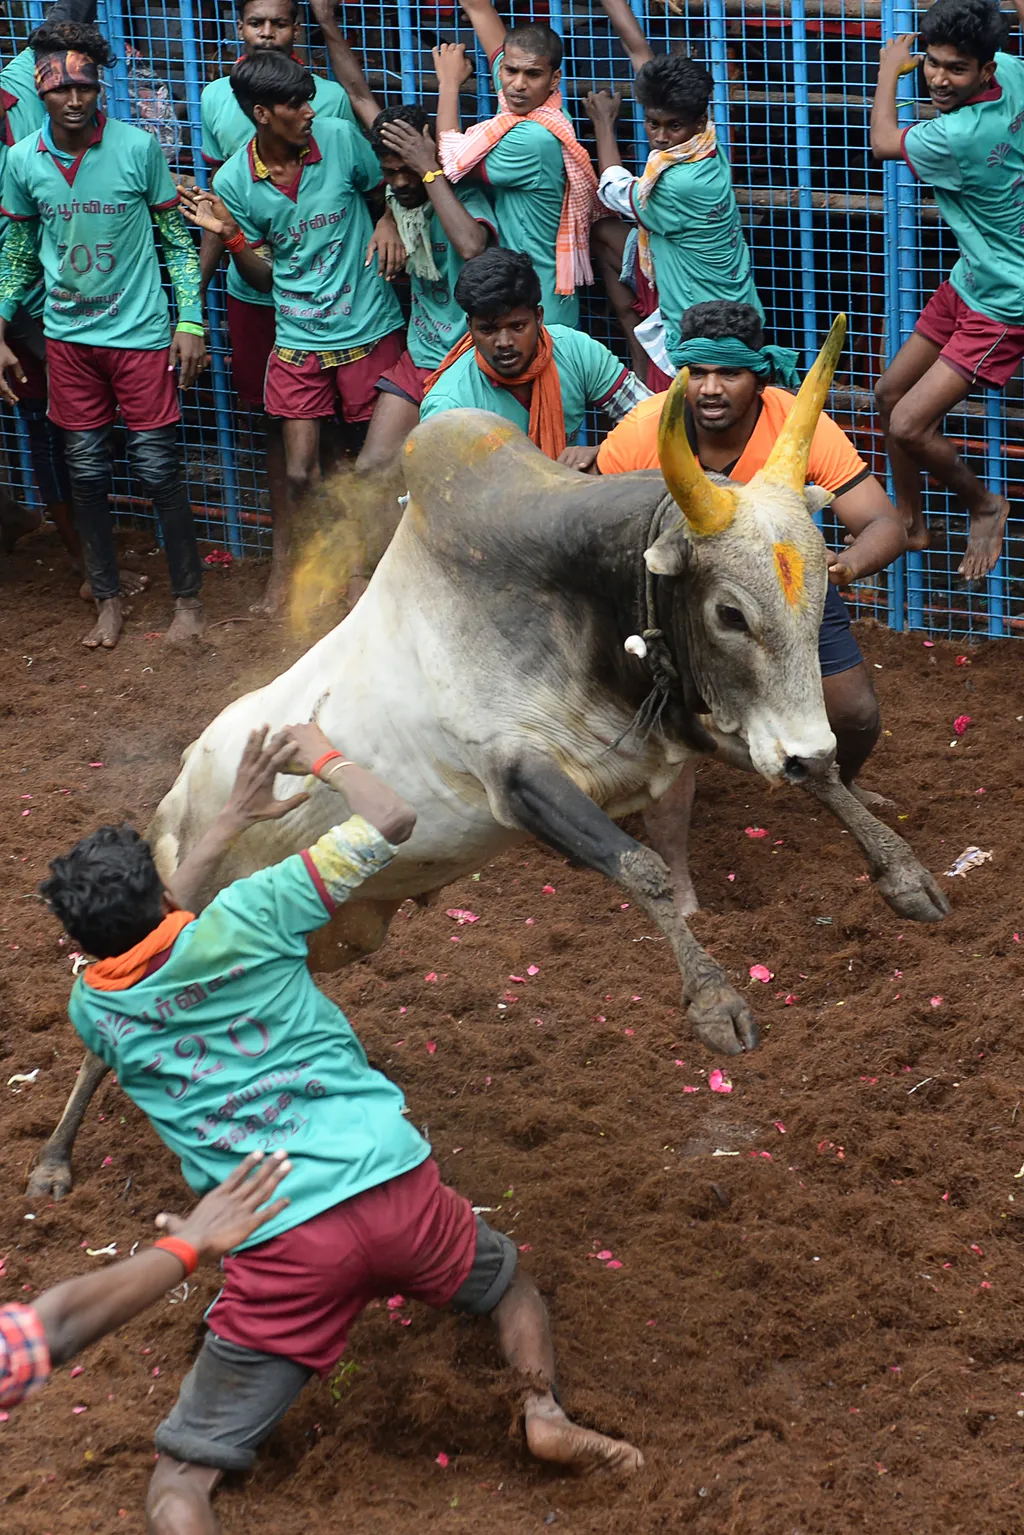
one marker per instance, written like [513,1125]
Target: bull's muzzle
[800,769]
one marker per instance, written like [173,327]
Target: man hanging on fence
[688,246]
[971,331]
[269,24]
[538,174]
[511,362]
[83,195]
[300,197]
[735,411]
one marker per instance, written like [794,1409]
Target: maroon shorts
[405,380]
[981,350]
[307,392]
[34,369]
[90,384]
[299,1293]
[251,329]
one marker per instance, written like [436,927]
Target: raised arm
[418,150]
[365,794]
[344,63]
[487,24]
[630,35]
[77,1312]
[897,58]
[603,109]
[453,69]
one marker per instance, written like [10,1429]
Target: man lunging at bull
[735,412]
[541,377]
[216,1030]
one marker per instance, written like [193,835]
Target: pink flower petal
[431,975]
[961,723]
[755,831]
[615,1264]
[94,764]
[107,1162]
[791,997]
[460,916]
[629,1033]
[936,1001]
[548,890]
[518,980]
[395,1301]
[928,644]
[719,1082]
[689,1089]
[526,1247]
[533,970]
[78,1370]
[431,1047]
[4,1417]
[760,973]
[605,1254]
[442,1460]
[79,1409]
[779,1126]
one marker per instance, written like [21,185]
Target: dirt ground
[818,1321]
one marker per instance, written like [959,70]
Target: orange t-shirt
[834,463]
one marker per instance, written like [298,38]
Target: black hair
[671,82]
[972,27]
[72,37]
[270,79]
[242,5]
[106,891]
[537,39]
[409,112]
[496,282]
[719,320]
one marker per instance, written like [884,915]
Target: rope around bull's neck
[665,680]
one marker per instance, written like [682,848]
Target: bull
[537,654]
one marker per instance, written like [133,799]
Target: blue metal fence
[828,229]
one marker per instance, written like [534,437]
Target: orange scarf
[547,414]
[123,970]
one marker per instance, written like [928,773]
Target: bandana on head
[775,364]
[56,71]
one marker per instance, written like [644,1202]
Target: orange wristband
[321,762]
[237,243]
[184,1251]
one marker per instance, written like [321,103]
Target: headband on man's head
[775,364]
[56,71]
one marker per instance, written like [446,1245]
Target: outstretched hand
[451,64]
[899,54]
[252,797]
[602,107]
[206,211]
[232,1212]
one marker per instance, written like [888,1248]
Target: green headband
[775,364]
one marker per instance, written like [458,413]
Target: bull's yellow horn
[707,507]
[787,462]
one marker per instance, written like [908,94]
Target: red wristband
[181,1250]
[237,243]
[321,762]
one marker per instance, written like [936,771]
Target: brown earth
[821,1332]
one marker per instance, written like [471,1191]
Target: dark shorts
[287,1306]
[981,350]
[405,380]
[90,384]
[306,392]
[251,331]
[838,651]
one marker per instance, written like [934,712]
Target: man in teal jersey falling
[216,1030]
[971,331]
[82,195]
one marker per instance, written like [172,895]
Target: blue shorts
[838,651]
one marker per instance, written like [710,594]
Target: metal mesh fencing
[828,229]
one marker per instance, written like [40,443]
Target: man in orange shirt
[734,415]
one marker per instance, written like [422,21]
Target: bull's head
[753,570]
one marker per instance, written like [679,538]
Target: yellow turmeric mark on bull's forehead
[789,567]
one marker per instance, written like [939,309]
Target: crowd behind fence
[828,229]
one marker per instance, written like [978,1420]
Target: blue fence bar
[802,120]
[995,476]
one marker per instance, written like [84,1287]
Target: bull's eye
[732,618]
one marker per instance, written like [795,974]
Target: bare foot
[188,623]
[869,799]
[106,631]
[985,541]
[918,536]
[131,585]
[275,596]
[553,1437]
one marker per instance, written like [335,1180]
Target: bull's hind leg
[51,1176]
[535,795]
[902,880]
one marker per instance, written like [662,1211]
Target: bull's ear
[816,498]
[669,554]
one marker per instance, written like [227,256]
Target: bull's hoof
[912,893]
[722,1020]
[50,1180]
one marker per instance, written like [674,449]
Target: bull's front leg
[51,1176]
[535,795]
[902,880]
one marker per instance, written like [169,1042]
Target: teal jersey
[436,322]
[96,239]
[697,241]
[317,230]
[973,158]
[588,374]
[226,130]
[525,176]
[229,1047]
[24,109]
